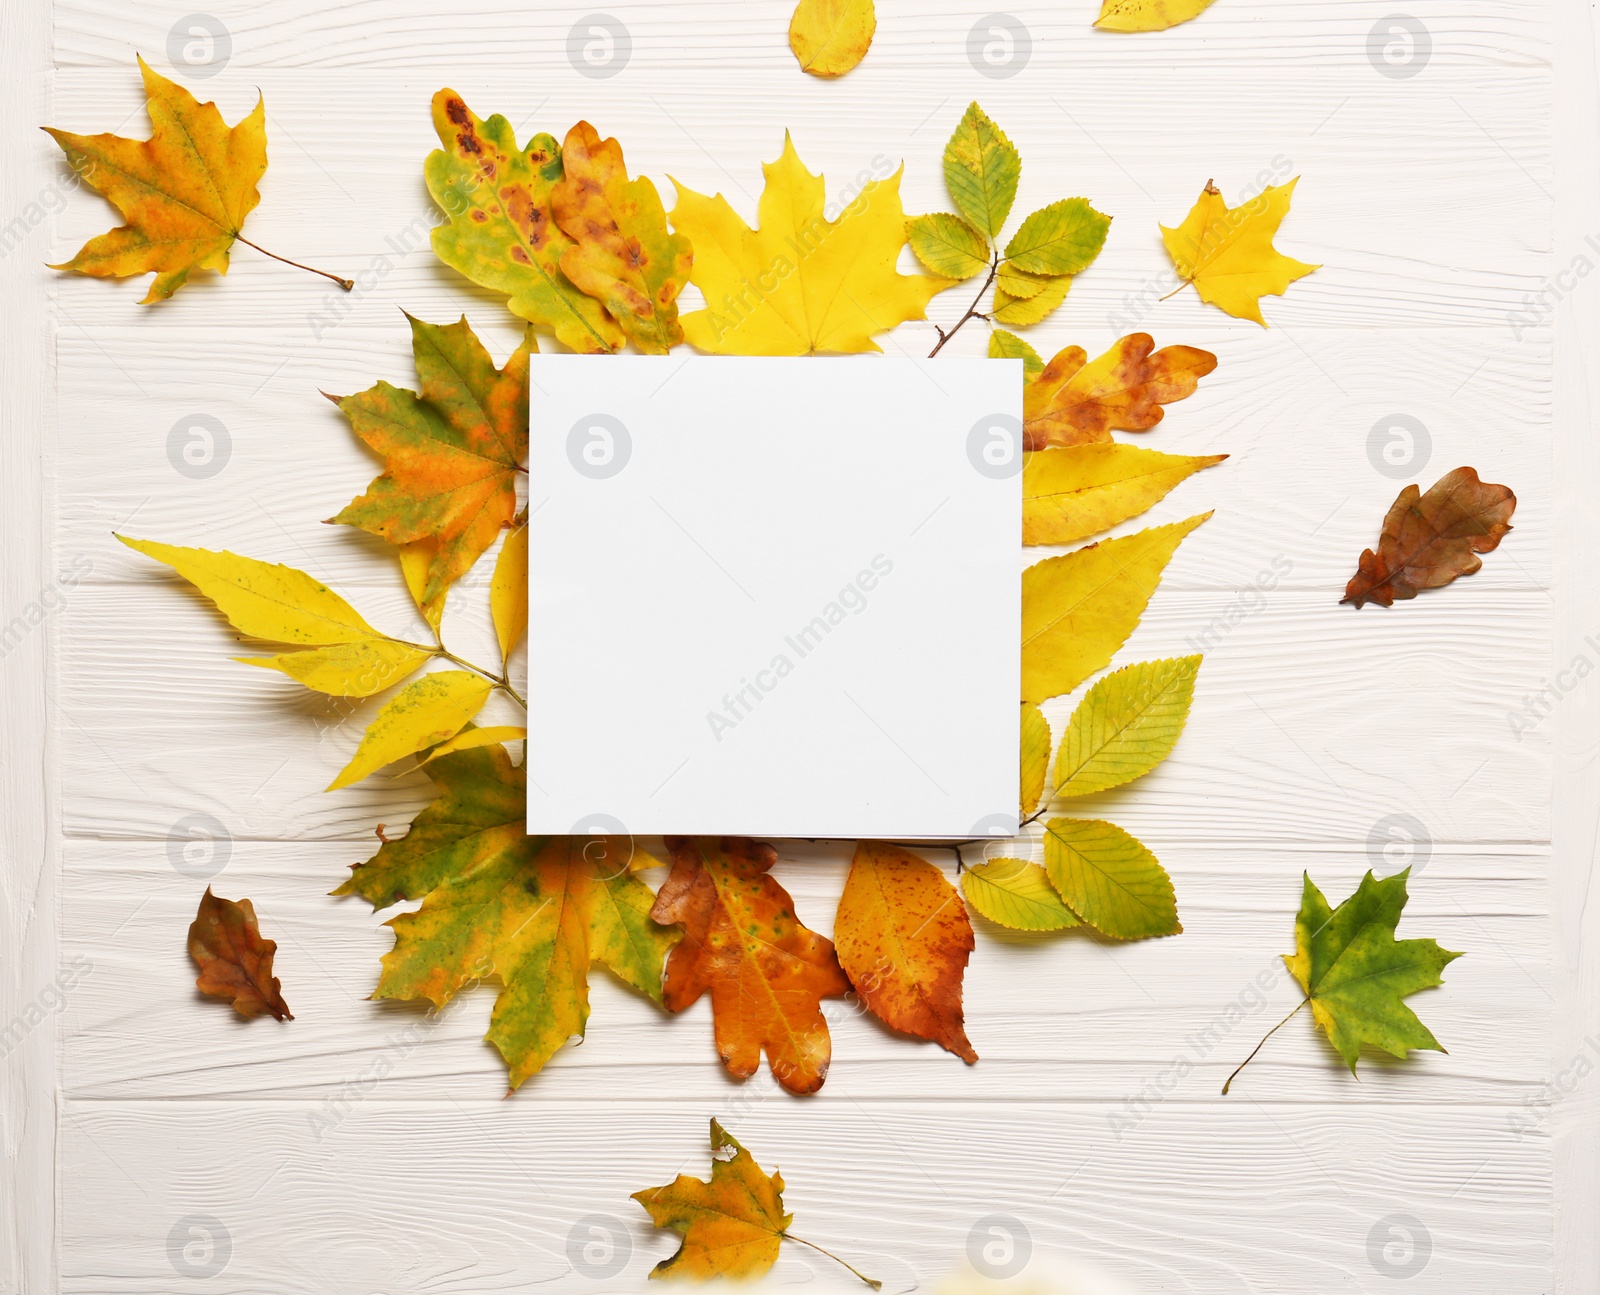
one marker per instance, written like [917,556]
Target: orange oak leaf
[903,939]
[235,962]
[451,453]
[1430,539]
[1076,401]
[622,254]
[767,973]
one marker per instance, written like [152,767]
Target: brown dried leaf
[1430,539]
[235,962]
[1078,401]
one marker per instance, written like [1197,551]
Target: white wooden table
[350,1152]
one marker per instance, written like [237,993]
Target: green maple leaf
[1355,973]
[532,912]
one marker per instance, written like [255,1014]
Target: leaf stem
[972,310]
[347,284]
[501,681]
[790,1236]
[1259,1046]
[1181,286]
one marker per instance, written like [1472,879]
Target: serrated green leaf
[1109,879]
[1125,725]
[1019,312]
[1016,894]
[1063,238]
[1035,756]
[981,170]
[947,245]
[1019,283]
[1008,346]
[1355,972]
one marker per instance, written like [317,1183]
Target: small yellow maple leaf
[800,283]
[1227,252]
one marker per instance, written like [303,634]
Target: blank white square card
[774,597]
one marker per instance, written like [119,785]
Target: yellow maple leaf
[1227,252]
[184,192]
[800,283]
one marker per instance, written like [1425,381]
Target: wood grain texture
[368,1147]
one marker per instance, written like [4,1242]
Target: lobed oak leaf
[534,913]
[1076,402]
[1072,492]
[829,37]
[622,253]
[742,943]
[451,452]
[1227,252]
[1079,608]
[1148,15]
[500,233]
[903,938]
[235,961]
[1430,539]
[800,283]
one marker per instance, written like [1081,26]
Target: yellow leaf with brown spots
[622,254]
[1076,401]
[500,232]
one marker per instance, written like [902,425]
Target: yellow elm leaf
[623,256]
[1148,15]
[184,192]
[947,245]
[1227,252]
[800,283]
[1078,609]
[508,591]
[500,233]
[472,738]
[1125,725]
[1008,346]
[356,669]
[264,600]
[981,170]
[430,710]
[1109,879]
[1062,238]
[1019,312]
[829,37]
[416,560]
[1019,283]
[1016,894]
[1035,756]
[1072,492]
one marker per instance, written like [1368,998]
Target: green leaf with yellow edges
[981,170]
[1016,894]
[1109,879]
[1125,725]
[947,245]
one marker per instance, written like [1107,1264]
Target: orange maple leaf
[767,973]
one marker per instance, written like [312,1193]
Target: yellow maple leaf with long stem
[799,283]
[185,191]
[1227,252]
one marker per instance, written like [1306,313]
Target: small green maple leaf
[1355,974]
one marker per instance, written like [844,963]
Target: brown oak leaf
[1430,539]
[235,962]
[767,973]
[1078,401]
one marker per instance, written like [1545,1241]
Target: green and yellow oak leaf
[451,452]
[1072,492]
[1016,894]
[339,653]
[500,232]
[1355,974]
[1076,401]
[184,192]
[1125,725]
[622,253]
[1109,879]
[1148,15]
[829,37]
[1227,252]
[742,942]
[1079,608]
[534,913]
[799,283]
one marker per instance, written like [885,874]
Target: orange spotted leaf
[235,962]
[451,453]
[1078,401]
[742,942]
[622,254]
[1430,539]
[904,939]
